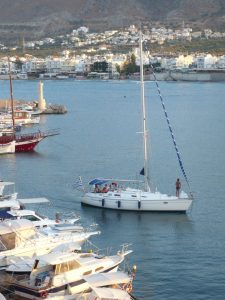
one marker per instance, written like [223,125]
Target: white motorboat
[42,221]
[110,286]
[13,208]
[24,265]
[20,238]
[60,274]
[138,198]
[21,117]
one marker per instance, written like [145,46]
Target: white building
[184,61]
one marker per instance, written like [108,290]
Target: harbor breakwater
[170,75]
[205,76]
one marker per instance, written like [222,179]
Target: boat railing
[51,132]
[125,248]
[107,251]
[38,134]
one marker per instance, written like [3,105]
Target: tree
[18,64]
[118,68]
[130,67]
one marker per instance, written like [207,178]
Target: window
[99,269]
[134,196]
[87,272]
[31,218]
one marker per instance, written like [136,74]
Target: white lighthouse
[41,101]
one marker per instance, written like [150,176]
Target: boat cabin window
[18,114]
[87,272]
[134,196]
[99,269]
[8,241]
[30,218]
[66,266]
[118,195]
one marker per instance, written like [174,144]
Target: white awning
[110,293]
[104,279]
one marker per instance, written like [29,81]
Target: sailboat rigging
[115,197]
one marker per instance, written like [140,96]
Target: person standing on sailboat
[178,186]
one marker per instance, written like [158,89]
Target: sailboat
[22,142]
[115,196]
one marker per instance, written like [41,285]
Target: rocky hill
[41,17]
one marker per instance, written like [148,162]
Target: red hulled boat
[23,142]
[27,142]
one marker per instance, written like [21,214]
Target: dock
[55,109]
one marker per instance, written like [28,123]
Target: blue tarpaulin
[5,215]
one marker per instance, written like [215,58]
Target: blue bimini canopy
[98,181]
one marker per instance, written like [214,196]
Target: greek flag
[78,184]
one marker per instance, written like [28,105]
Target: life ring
[44,294]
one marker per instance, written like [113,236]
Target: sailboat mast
[145,131]
[11,95]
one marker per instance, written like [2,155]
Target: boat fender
[129,288]
[119,204]
[44,294]
[139,204]
[103,202]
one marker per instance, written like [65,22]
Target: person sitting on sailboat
[114,186]
[97,189]
[105,189]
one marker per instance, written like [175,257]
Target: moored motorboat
[20,238]
[13,208]
[60,274]
[102,286]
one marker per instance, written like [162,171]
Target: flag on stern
[142,172]
[78,184]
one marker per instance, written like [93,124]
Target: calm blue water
[177,256]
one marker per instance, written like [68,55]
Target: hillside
[42,17]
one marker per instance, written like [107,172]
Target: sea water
[178,256]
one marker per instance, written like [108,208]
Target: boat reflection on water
[145,218]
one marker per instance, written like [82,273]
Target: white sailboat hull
[138,201]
